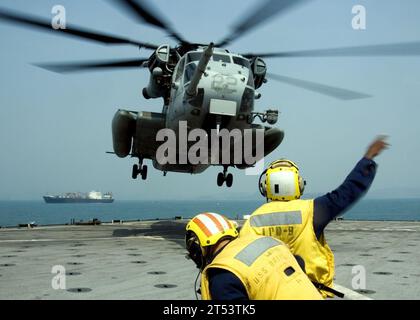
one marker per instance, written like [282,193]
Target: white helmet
[282,181]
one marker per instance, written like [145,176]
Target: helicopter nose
[226,85]
[225,94]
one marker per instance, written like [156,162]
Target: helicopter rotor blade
[335,92]
[256,16]
[393,49]
[145,14]
[82,66]
[32,21]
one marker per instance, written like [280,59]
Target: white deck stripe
[88,239]
[350,294]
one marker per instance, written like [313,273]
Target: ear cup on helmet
[262,184]
[194,250]
[302,184]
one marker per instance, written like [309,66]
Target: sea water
[13,213]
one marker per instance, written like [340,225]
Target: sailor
[251,267]
[301,223]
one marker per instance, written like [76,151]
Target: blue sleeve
[224,285]
[334,203]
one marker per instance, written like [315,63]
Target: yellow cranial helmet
[281,181]
[205,230]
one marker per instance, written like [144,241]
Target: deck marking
[350,294]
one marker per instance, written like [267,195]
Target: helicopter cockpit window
[194,56]
[221,58]
[189,71]
[242,62]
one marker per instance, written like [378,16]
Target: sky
[55,129]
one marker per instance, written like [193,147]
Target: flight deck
[146,260]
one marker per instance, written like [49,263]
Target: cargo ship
[78,197]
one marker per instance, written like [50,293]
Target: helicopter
[203,85]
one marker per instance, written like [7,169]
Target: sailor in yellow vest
[301,223]
[240,268]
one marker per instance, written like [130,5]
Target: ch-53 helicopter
[203,84]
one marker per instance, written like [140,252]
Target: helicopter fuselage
[220,96]
[224,98]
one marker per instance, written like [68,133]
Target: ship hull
[76,200]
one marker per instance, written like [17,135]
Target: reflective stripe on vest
[251,252]
[276,219]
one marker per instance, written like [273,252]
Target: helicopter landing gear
[225,177]
[139,169]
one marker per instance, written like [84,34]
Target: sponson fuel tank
[123,130]
[134,133]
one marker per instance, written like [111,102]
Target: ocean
[13,213]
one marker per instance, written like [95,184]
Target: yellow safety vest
[292,223]
[266,268]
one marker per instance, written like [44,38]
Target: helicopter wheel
[220,179]
[229,180]
[135,171]
[144,172]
